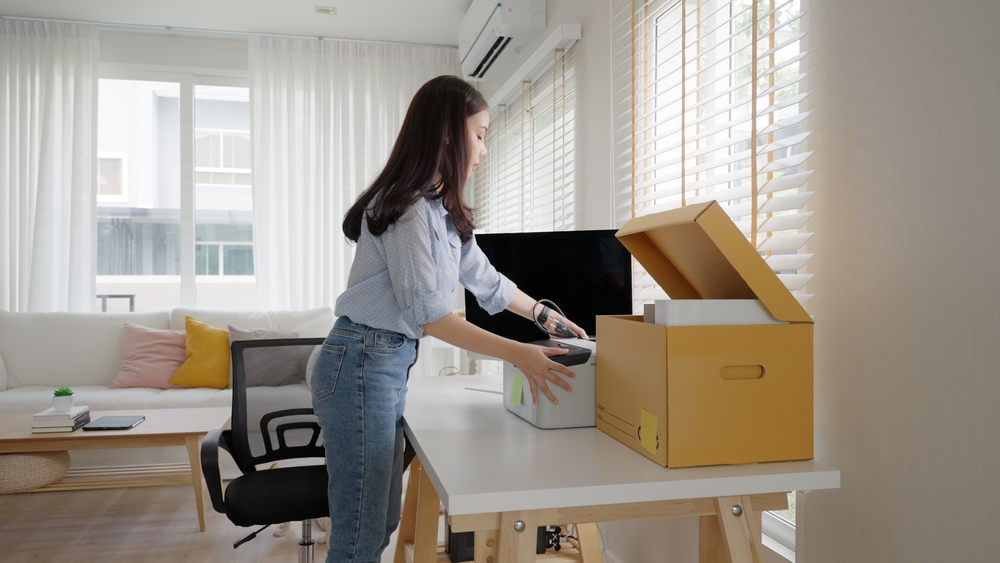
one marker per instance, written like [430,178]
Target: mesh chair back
[273,416]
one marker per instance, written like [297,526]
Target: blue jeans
[359,391]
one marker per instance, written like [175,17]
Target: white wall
[907,317]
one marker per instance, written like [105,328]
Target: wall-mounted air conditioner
[496,34]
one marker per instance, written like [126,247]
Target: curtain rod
[218,33]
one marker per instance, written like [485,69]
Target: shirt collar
[438,205]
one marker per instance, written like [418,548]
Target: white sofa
[42,351]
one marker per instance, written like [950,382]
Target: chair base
[306,544]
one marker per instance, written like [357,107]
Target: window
[779,533]
[223,191]
[707,98]
[707,105]
[112,176]
[152,245]
[527,180]
[223,250]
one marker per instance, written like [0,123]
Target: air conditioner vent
[494,53]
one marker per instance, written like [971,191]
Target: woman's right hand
[534,363]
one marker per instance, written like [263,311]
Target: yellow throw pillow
[207,351]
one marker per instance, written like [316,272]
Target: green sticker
[518,390]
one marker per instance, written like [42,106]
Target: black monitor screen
[586,273]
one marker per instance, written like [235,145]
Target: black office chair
[272,421]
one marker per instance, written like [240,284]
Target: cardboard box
[706,395]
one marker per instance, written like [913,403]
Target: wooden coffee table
[162,427]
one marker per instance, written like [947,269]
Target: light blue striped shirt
[406,277]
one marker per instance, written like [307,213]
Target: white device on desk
[575,409]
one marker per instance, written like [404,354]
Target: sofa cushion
[73,349]
[308,323]
[271,366]
[150,357]
[207,351]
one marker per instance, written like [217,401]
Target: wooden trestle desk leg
[193,444]
[419,523]
[590,543]
[517,546]
[407,523]
[486,546]
[733,535]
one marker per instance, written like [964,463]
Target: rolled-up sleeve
[493,290]
[409,259]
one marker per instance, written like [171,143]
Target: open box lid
[697,252]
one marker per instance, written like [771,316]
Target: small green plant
[63,392]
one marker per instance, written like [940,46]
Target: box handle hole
[730,373]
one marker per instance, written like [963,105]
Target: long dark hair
[432,143]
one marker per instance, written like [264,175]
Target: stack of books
[51,421]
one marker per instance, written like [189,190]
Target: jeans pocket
[327,369]
[387,342]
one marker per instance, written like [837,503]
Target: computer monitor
[585,273]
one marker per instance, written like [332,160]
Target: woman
[414,245]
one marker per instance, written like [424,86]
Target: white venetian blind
[707,106]
[526,182]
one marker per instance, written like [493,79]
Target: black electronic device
[121,422]
[461,546]
[588,273]
[574,355]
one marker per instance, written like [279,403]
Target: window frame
[778,538]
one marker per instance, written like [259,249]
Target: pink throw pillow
[149,357]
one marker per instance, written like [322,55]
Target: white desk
[491,469]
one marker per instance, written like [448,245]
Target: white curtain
[324,116]
[48,93]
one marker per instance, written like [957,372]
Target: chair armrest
[210,446]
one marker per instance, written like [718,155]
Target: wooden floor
[146,525]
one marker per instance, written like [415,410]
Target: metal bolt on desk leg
[519,526]
[737,510]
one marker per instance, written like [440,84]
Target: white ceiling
[432,22]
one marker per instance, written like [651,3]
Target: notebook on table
[120,422]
